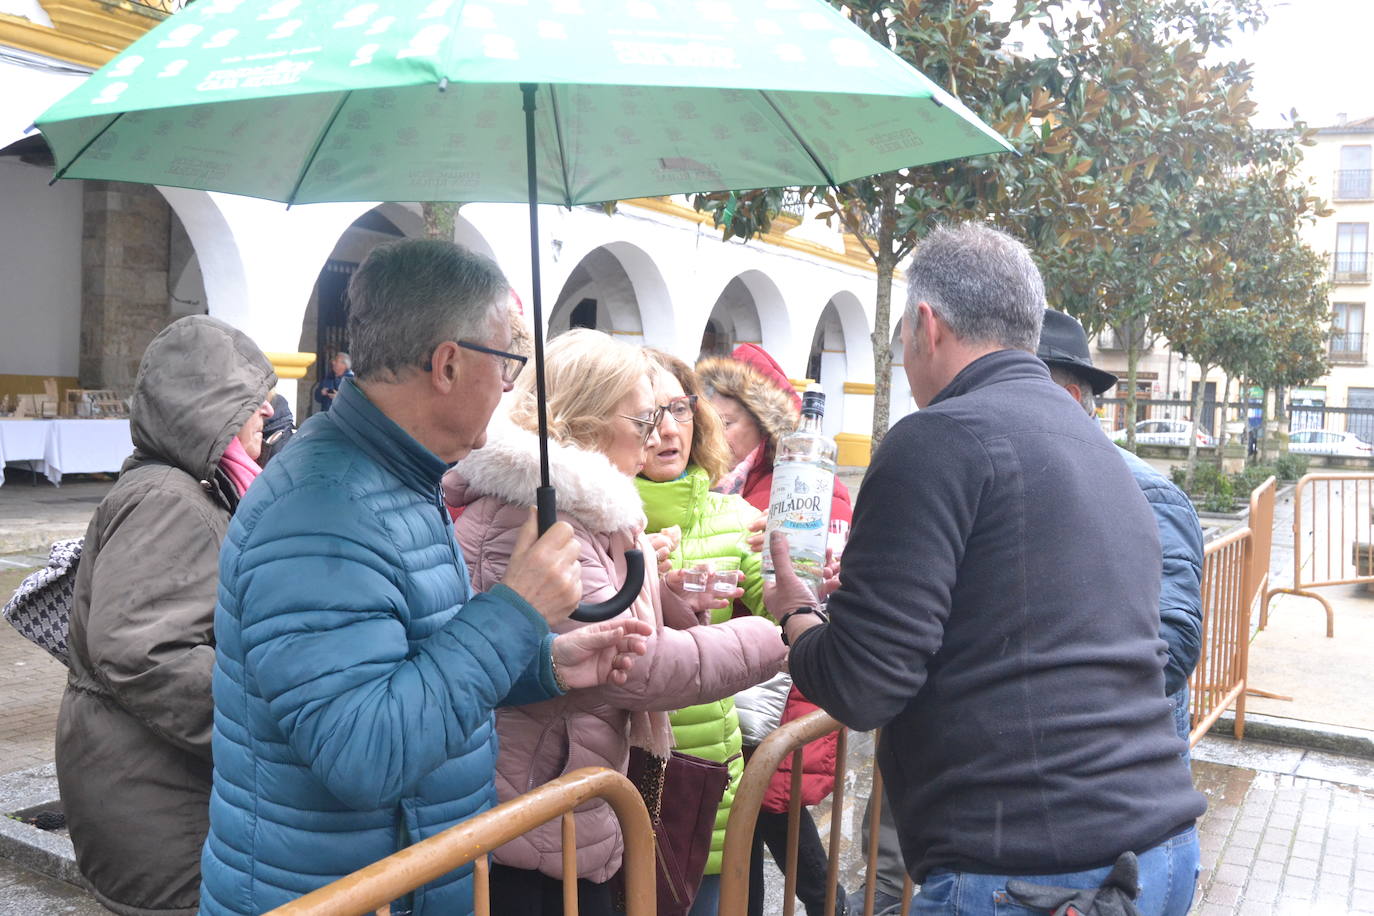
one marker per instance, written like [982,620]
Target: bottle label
[799,506]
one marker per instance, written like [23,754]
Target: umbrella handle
[547,512]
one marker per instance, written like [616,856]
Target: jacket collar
[385,442]
[672,502]
[997,366]
[590,489]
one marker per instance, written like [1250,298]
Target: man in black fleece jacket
[1012,658]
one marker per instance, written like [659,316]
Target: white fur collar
[589,487]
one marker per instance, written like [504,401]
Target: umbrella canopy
[540,101]
[335,100]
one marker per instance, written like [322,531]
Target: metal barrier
[1235,578]
[791,738]
[1333,538]
[372,889]
[1219,678]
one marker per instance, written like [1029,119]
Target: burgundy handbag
[682,832]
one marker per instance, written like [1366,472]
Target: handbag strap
[651,784]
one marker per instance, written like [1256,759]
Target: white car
[1328,442]
[1163,432]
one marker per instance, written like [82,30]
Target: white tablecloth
[86,447]
[23,440]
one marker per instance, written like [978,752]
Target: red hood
[758,357]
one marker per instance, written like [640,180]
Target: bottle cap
[813,400]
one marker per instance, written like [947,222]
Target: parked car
[1329,442]
[1164,432]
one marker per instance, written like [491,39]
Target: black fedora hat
[1064,343]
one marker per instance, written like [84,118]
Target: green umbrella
[327,100]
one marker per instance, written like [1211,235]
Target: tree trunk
[439,218]
[882,309]
[1132,363]
[1198,394]
[1262,434]
[1222,436]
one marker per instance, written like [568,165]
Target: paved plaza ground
[1288,830]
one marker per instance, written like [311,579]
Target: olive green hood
[199,382]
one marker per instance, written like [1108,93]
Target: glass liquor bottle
[803,484]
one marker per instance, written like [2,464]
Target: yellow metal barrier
[1333,537]
[791,738]
[372,889]
[1235,578]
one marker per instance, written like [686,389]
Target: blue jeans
[1168,877]
[707,901]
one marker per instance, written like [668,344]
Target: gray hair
[344,358]
[1066,377]
[411,295]
[981,282]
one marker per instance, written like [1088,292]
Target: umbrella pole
[544,498]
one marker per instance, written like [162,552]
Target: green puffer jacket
[713,525]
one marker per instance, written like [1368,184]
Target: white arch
[651,316]
[858,341]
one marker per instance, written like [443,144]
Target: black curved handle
[547,507]
[605,610]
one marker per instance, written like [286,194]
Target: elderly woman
[602,415]
[690,457]
[133,735]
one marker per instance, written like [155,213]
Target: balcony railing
[1347,347]
[1350,267]
[1354,184]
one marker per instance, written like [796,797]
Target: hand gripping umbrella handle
[547,510]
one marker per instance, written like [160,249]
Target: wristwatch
[807,609]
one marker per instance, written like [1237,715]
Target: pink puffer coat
[494,488]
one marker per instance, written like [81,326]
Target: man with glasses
[356,675]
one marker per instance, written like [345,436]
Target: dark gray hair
[1066,377]
[411,295]
[981,282]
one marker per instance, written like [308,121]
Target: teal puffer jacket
[355,675]
[713,525]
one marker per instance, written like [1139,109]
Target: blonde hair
[587,374]
[709,449]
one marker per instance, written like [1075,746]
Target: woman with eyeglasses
[602,415]
[675,484]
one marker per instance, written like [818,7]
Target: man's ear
[444,366]
[928,327]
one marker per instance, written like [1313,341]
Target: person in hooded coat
[758,406]
[133,734]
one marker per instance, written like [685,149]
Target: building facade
[94,269]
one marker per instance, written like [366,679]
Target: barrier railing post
[371,889]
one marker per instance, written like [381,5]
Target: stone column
[124,300]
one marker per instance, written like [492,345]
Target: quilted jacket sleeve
[149,633]
[1180,586]
[325,643]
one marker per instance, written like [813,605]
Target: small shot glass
[725,575]
[695,577]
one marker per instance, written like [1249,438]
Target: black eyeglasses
[680,409]
[646,425]
[511,363]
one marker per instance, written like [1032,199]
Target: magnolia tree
[1250,296]
[1115,120]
